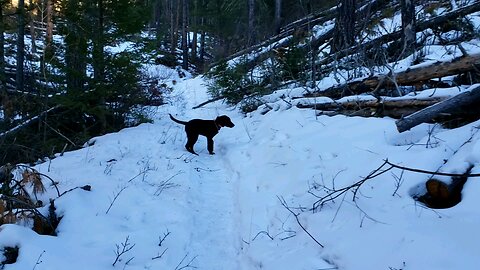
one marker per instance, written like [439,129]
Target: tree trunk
[3,79]
[31,24]
[278,16]
[98,41]
[184,34]
[408,27]
[344,31]
[75,48]
[195,31]
[451,105]
[251,23]
[49,36]
[98,61]
[158,23]
[173,25]
[19,79]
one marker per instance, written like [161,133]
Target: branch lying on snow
[385,167]
[208,101]
[284,203]
[429,172]
[355,187]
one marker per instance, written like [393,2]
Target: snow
[224,211]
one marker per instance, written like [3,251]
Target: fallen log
[409,77]
[396,35]
[394,108]
[449,106]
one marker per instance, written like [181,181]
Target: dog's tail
[178,121]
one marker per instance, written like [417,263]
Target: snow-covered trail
[212,193]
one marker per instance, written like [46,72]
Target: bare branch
[284,203]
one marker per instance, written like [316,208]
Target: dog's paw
[212,153]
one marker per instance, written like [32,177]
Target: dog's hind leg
[191,140]
[210,146]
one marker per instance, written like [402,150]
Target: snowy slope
[223,212]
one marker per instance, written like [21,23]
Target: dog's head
[224,121]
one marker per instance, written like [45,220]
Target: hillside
[181,211]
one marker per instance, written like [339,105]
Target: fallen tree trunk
[303,26]
[393,107]
[449,106]
[410,77]
[396,35]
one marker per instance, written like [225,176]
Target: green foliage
[237,86]
[292,64]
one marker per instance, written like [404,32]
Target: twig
[60,134]
[124,248]
[115,198]
[161,239]
[39,260]
[429,172]
[208,101]
[284,203]
[159,256]
[188,265]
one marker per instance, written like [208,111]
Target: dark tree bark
[98,61]
[174,12]
[49,34]
[157,15]
[344,31]
[408,27]
[195,31]
[31,24]
[98,52]
[75,48]
[184,34]
[2,49]
[278,16]
[251,23]
[19,79]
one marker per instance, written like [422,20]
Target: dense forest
[63,81]
[74,69]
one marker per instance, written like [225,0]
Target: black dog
[207,128]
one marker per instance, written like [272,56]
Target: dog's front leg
[210,145]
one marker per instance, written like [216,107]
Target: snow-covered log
[373,107]
[409,77]
[448,106]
